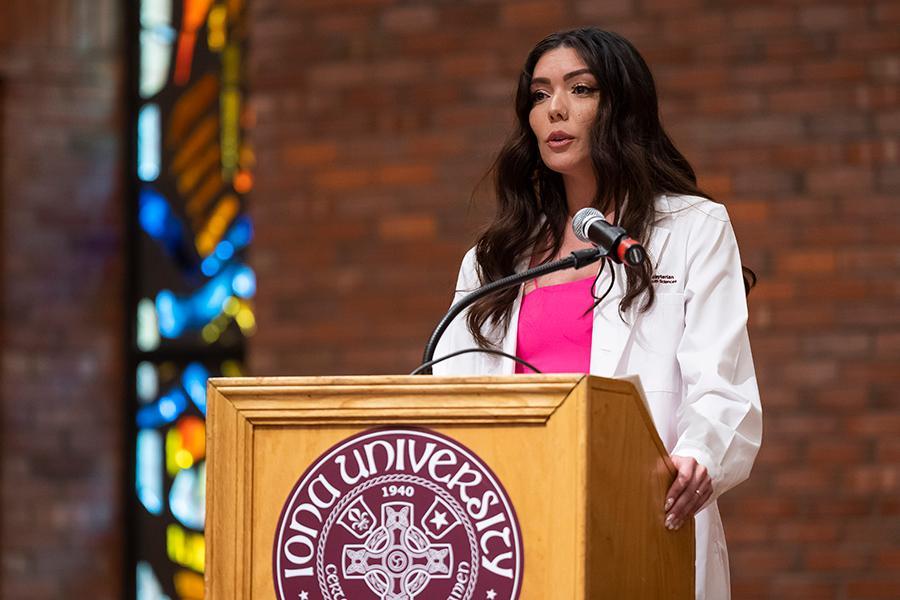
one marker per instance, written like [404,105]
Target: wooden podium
[578,456]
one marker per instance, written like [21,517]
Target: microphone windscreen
[583,219]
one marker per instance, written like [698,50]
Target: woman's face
[564,99]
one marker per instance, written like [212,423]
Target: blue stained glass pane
[224,250]
[156,56]
[156,13]
[157,218]
[194,381]
[187,498]
[147,328]
[244,282]
[165,410]
[149,470]
[241,232]
[147,382]
[148,587]
[148,145]
[178,314]
[210,265]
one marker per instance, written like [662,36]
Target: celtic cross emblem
[397,559]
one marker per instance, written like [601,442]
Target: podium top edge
[375,380]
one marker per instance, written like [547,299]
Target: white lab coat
[691,351]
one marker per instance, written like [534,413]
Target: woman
[589,135]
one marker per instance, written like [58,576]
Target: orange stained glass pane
[190,107]
[204,164]
[234,8]
[243,181]
[193,436]
[194,14]
[188,585]
[204,133]
[201,198]
[226,210]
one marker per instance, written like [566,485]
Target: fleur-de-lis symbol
[358,519]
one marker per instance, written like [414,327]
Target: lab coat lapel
[611,332]
[506,366]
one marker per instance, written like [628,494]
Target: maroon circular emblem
[398,514]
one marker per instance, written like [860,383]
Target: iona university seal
[398,514]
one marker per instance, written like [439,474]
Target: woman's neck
[580,191]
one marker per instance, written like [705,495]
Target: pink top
[554,332]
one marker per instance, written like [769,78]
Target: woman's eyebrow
[566,77]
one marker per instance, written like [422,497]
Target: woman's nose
[558,111]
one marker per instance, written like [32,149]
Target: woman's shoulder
[468,272]
[683,207]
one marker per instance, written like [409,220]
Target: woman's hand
[690,490]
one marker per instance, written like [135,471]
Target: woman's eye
[537,96]
[582,89]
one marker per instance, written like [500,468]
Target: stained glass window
[193,291]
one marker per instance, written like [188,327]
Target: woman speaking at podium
[589,135]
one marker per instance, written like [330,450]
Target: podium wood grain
[578,456]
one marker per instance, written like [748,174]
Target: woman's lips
[560,144]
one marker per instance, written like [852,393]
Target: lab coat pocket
[656,340]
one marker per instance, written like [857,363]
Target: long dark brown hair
[632,158]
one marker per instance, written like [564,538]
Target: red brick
[812,263]
[730,102]
[832,17]
[859,42]
[840,179]
[887,12]
[835,559]
[875,588]
[837,451]
[309,154]
[777,453]
[843,399]
[407,228]
[877,96]
[768,18]
[888,558]
[873,152]
[883,479]
[599,11]
[802,586]
[807,531]
[828,506]
[531,13]
[670,6]
[835,70]
[763,560]
[803,481]
[810,100]
[763,74]
[409,18]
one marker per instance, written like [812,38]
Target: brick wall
[376,119]
[61,299]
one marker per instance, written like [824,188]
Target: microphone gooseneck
[576,260]
[589,226]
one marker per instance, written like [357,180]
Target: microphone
[591,226]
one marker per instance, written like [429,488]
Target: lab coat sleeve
[457,335]
[719,423]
